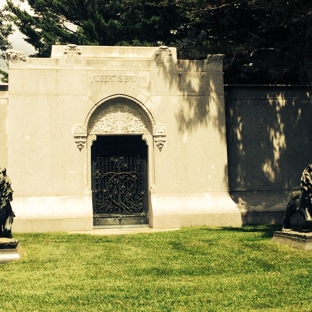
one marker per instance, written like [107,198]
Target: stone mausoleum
[115,136]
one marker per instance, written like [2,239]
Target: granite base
[10,250]
[299,240]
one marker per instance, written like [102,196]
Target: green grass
[194,269]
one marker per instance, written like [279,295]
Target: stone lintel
[299,240]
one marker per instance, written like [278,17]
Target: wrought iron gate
[119,180]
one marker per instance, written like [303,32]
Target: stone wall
[269,144]
[255,146]
[59,106]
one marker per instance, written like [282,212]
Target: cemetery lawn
[193,269]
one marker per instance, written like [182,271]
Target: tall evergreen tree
[264,41]
[95,22]
[5,31]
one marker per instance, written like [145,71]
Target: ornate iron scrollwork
[117,193]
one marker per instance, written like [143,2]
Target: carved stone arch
[123,104]
[119,114]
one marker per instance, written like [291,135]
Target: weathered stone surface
[299,240]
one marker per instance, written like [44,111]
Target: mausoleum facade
[116,136]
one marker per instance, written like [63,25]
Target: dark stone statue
[301,201]
[6,213]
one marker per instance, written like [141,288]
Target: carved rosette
[80,136]
[15,56]
[118,119]
[72,56]
[72,49]
[159,134]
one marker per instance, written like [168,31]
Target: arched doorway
[120,151]
[119,180]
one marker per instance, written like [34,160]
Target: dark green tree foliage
[5,31]
[94,22]
[264,41]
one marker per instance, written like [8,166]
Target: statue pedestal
[10,250]
[299,240]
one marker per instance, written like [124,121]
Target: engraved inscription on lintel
[141,78]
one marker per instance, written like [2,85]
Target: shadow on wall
[200,86]
[201,90]
[269,137]
[201,83]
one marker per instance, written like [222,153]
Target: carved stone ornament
[72,49]
[214,58]
[163,55]
[159,134]
[163,49]
[15,56]
[118,119]
[80,136]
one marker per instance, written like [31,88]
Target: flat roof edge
[111,51]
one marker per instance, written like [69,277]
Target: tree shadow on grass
[266,230]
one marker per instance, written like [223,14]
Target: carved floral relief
[118,118]
[15,56]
